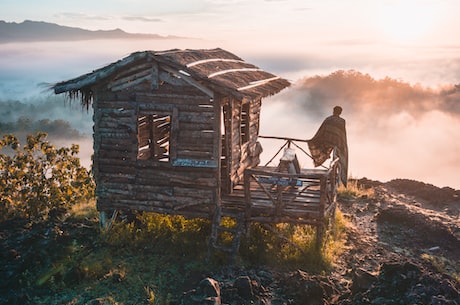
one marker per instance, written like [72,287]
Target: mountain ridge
[34,31]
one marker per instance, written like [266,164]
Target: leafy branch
[39,178]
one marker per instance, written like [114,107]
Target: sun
[405,20]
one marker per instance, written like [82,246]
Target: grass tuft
[84,210]
[353,190]
[444,265]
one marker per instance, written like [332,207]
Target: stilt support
[106,219]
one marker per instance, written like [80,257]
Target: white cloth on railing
[289,162]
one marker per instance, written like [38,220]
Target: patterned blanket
[331,133]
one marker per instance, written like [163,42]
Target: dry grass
[84,209]
[444,265]
[353,191]
[335,239]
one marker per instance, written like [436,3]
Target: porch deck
[269,196]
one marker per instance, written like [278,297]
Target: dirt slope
[404,245]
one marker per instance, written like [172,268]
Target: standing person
[331,134]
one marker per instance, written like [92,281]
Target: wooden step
[234,231]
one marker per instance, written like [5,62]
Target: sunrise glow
[406,21]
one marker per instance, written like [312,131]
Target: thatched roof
[215,69]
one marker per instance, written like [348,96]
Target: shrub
[39,178]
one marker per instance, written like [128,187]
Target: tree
[40,178]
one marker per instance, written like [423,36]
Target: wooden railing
[288,143]
[307,197]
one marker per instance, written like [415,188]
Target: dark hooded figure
[331,133]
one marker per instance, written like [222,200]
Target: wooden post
[247,196]
[105,222]
[322,202]
[155,76]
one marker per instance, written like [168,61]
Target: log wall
[187,184]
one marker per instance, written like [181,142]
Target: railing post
[247,196]
[279,200]
[322,202]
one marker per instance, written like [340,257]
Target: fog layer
[395,129]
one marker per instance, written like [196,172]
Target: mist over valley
[399,124]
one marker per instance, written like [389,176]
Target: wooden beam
[190,80]
[155,76]
[129,79]
[91,78]
[171,79]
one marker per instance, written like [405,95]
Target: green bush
[39,178]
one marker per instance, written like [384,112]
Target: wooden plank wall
[241,159]
[233,133]
[253,130]
[190,187]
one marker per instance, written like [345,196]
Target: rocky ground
[402,247]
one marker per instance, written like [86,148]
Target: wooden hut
[176,131]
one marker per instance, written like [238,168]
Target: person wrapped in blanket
[332,133]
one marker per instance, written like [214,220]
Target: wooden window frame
[155,132]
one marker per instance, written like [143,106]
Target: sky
[378,36]
[406,130]
[359,23]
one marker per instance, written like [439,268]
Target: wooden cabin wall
[115,150]
[189,183]
[241,147]
[226,152]
[247,148]
[232,133]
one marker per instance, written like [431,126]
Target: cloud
[82,16]
[451,99]
[350,42]
[142,18]
[363,94]
[395,129]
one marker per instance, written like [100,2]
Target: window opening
[244,123]
[154,132]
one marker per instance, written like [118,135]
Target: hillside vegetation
[57,254]
[389,246]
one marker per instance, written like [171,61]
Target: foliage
[57,128]
[50,114]
[145,259]
[165,231]
[38,178]
[293,246]
[149,258]
[334,243]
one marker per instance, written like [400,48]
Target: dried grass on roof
[236,74]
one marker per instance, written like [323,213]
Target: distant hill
[29,31]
